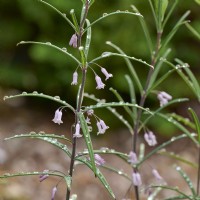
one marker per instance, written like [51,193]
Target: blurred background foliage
[32,67]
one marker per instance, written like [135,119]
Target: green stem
[198,177]
[81,92]
[84,71]
[142,101]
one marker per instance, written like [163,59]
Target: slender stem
[84,71]
[142,101]
[81,92]
[198,177]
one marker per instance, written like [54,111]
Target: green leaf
[145,30]
[108,54]
[157,149]
[197,1]
[160,8]
[60,13]
[132,94]
[187,180]
[119,97]
[113,111]
[35,173]
[51,139]
[193,31]
[88,140]
[99,175]
[112,13]
[41,95]
[179,126]
[183,120]
[160,109]
[88,38]
[115,104]
[129,65]
[196,121]
[158,67]
[68,180]
[177,157]
[63,50]
[170,35]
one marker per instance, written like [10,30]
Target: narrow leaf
[41,95]
[129,65]
[100,176]
[196,121]
[88,141]
[112,13]
[187,180]
[63,50]
[60,13]
[88,38]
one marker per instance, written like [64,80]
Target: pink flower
[75,78]
[77,132]
[156,175]
[101,127]
[43,177]
[99,160]
[163,97]
[73,41]
[132,158]
[57,117]
[137,181]
[88,120]
[90,112]
[150,138]
[100,84]
[54,190]
[104,71]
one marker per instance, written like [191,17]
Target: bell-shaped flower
[77,131]
[74,41]
[150,138]
[157,175]
[102,127]
[99,160]
[88,120]
[132,158]
[100,84]
[53,193]
[90,112]
[163,97]
[44,176]
[104,71]
[75,78]
[137,181]
[57,117]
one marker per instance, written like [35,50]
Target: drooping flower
[163,97]
[77,131]
[157,175]
[137,181]
[150,138]
[100,84]
[54,190]
[104,71]
[57,117]
[102,127]
[132,158]
[43,177]
[75,78]
[99,160]
[73,41]
[88,120]
[90,112]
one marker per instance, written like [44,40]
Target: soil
[33,155]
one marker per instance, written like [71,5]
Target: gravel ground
[34,155]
